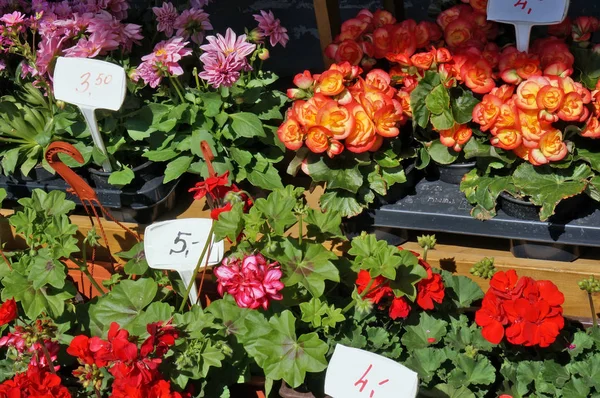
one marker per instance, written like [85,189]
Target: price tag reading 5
[89,83]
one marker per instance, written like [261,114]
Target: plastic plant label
[177,245]
[354,373]
[524,14]
[90,84]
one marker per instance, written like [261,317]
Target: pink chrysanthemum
[199,3]
[271,27]
[13,19]
[166,17]
[220,69]
[192,24]
[164,61]
[230,45]
[252,282]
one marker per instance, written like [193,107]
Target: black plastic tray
[441,207]
[142,206]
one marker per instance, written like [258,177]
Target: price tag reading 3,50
[90,84]
[524,14]
[354,373]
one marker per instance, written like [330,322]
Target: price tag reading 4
[89,83]
[354,373]
[524,14]
[177,245]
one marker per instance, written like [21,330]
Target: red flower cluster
[372,36]
[531,311]
[8,312]
[467,25]
[220,196]
[346,111]
[135,371]
[35,383]
[580,29]
[29,342]
[429,290]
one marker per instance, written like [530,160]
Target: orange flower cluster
[371,36]
[344,111]
[466,25]
[522,120]
[580,29]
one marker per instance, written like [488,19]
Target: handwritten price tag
[177,245]
[90,84]
[354,373]
[524,14]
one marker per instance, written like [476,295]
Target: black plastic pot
[143,173]
[544,251]
[518,208]
[453,173]
[567,210]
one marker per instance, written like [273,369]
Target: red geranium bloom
[210,186]
[429,291]
[80,348]
[8,312]
[399,308]
[378,289]
[117,347]
[491,318]
[162,337]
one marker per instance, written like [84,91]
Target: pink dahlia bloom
[252,282]
[166,17]
[220,69]
[192,24]
[199,3]
[270,27]
[164,61]
[13,19]
[231,44]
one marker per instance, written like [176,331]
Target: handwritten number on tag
[522,4]
[363,382]
[85,81]
[184,245]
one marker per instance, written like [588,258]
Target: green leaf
[230,223]
[425,361]
[393,175]
[438,100]
[212,103]
[323,223]
[313,311]
[308,264]
[177,167]
[443,121]
[47,271]
[462,107]
[484,191]
[247,125]
[478,370]
[155,312]
[441,154]
[555,373]
[278,210]
[345,175]
[576,388]
[408,274]
[342,201]
[267,179]
[464,290]
[581,342]
[418,97]
[121,177]
[428,328]
[588,370]
[137,263]
[448,391]
[240,156]
[283,356]
[10,159]
[161,155]
[124,303]
[547,187]
[3,195]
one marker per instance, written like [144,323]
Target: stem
[300,229]
[174,81]
[98,395]
[195,72]
[594,319]
[84,268]
[200,261]
[362,295]
[425,250]
[48,358]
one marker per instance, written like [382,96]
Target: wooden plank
[460,259]
[327,14]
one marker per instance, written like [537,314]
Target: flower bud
[427,241]
[263,54]
[255,36]
[60,104]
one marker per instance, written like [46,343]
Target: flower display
[342,110]
[221,196]
[165,18]
[35,382]
[252,281]
[526,311]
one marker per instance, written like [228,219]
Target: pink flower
[2,65]
[192,24]
[220,70]
[48,50]
[118,8]
[271,28]
[199,3]
[164,61]
[13,19]
[238,47]
[166,17]
[252,282]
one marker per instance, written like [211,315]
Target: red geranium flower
[491,318]
[399,308]
[80,348]
[429,291]
[378,289]
[8,312]
[210,186]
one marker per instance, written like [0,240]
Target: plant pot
[519,208]
[100,271]
[399,191]
[145,172]
[544,251]
[453,173]
[567,210]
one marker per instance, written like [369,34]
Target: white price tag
[354,373]
[90,84]
[177,245]
[524,14]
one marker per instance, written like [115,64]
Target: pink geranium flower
[164,61]
[237,46]
[252,282]
[192,24]
[270,27]
[13,19]
[166,17]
